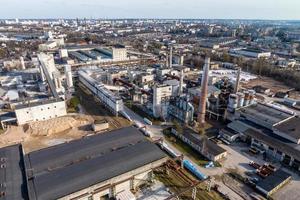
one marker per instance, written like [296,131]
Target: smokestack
[203,97]
[181,83]
[237,82]
[171,57]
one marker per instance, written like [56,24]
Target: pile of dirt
[56,125]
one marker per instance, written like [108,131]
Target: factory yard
[238,160]
[275,86]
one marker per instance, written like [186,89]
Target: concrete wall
[40,112]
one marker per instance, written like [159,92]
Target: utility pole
[194,193]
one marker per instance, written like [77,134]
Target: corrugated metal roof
[70,167]
[12,173]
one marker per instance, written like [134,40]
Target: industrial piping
[203,97]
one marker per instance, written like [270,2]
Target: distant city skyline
[204,9]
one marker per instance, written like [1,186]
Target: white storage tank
[241,99]
[247,98]
[251,97]
[233,102]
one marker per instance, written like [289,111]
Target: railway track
[96,109]
[182,184]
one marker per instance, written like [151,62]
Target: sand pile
[56,125]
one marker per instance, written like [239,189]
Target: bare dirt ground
[43,134]
[274,85]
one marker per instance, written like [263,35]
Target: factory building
[96,167]
[12,173]
[271,130]
[175,84]
[203,146]
[92,54]
[252,53]
[144,79]
[39,111]
[272,183]
[47,46]
[181,109]
[266,115]
[113,102]
[161,97]
[119,53]
[68,74]
[63,53]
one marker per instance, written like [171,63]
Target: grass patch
[185,149]
[73,104]
[2,131]
[142,113]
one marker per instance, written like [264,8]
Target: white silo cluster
[241,99]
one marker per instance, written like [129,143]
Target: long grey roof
[12,174]
[212,148]
[290,127]
[65,154]
[275,142]
[86,162]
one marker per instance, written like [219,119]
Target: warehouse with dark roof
[12,173]
[98,166]
[205,147]
[273,182]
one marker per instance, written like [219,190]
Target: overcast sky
[221,9]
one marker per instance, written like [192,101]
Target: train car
[188,165]
[169,150]
[147,121]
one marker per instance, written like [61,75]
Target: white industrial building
[63,53]
[119,54]
[113,102]
[161,96]
[39,111]
[252,53]
[68,74]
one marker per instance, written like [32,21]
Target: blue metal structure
[188,165]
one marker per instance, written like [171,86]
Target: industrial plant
[143,109]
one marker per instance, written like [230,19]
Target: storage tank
[233,102]
[247,98]
[251,97]
[241,99]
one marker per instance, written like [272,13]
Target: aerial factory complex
[149,109]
